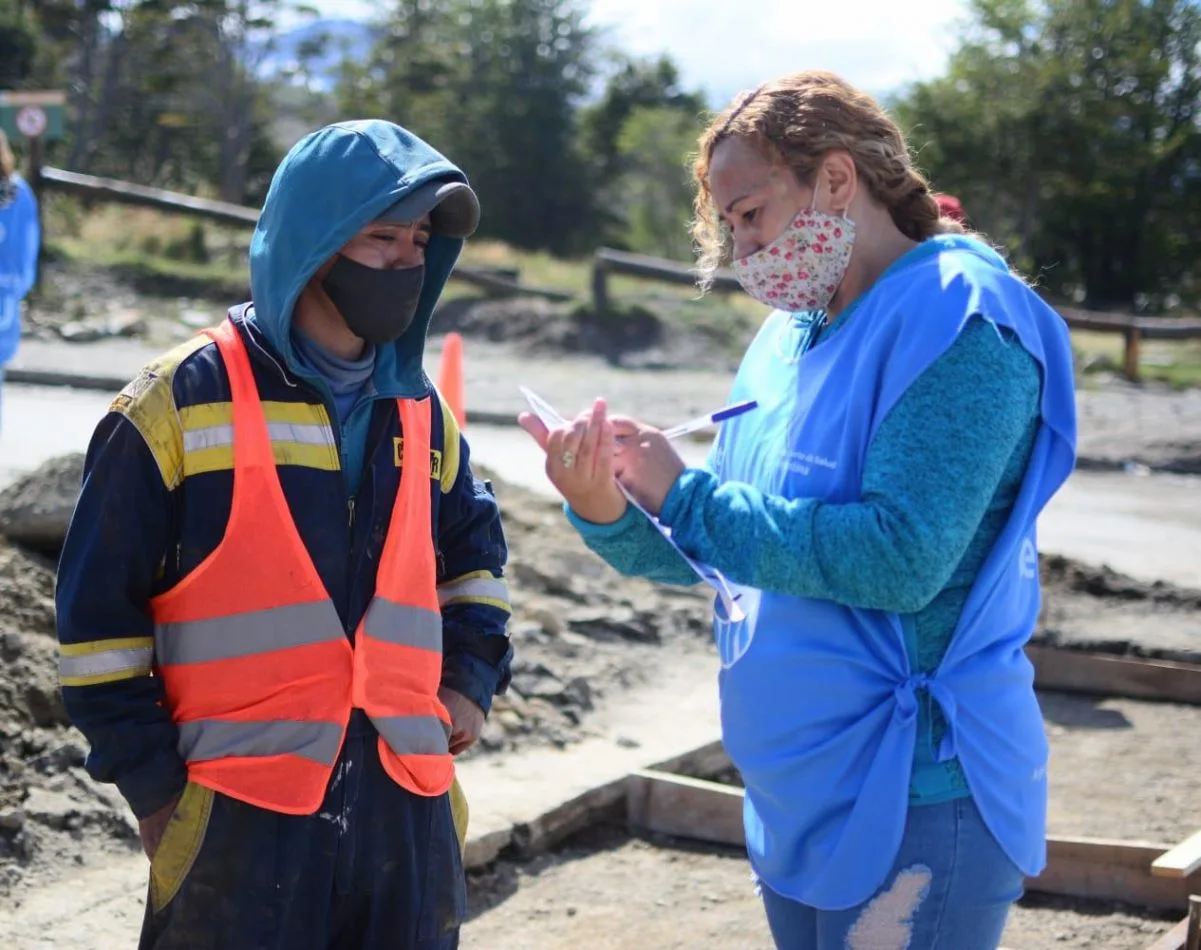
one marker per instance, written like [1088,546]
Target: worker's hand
[579,463]
[151,828]
[466,719]
[647,464]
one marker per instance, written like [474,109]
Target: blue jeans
[950,888]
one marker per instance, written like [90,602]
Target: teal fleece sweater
[939,481]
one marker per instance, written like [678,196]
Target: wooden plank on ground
[1084,672]
[1105,869]
[547,831]
[684,807]
[703,762]
[1094,868]
[1192,933]
[603,803]
[1174,939]
[1184,860]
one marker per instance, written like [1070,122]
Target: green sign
[31,114]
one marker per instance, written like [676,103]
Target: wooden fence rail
[608,261]
[92,188]
[1133,329]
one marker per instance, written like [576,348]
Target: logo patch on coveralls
[398,451]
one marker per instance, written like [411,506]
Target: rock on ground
[36,510]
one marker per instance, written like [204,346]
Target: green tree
[632,84]
[161,91]
[495,85]
[18,45]
[1071,130]
[655,188]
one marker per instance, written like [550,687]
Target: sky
[724,46]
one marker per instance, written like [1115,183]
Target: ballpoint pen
[550,417]
[711,419]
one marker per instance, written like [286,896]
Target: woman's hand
[647,463]
[579,463]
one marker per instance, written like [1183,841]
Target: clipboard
[730,610]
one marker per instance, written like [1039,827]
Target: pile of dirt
[48,804]
[1096,608]
[650,337]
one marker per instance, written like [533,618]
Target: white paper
[729,597]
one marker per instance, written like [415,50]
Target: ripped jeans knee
[950,885]
[886,923]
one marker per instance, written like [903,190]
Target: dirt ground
[609,891]
[1122,769]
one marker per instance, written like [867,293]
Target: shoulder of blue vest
[451,456]
[148,402]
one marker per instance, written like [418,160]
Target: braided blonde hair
[797,120]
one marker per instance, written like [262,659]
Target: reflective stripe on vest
[202,740]
[257,669]
[398,645]
[245,634]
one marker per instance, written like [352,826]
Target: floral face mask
[801,269]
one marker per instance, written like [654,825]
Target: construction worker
[280,601]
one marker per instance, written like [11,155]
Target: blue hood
[332,184]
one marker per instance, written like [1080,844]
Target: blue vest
[19,239]
[818,701]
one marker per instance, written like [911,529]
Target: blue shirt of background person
[876,512]
[20,238]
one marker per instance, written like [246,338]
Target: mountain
[280,56]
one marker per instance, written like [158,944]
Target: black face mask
[377,305]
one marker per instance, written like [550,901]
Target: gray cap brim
[453,208]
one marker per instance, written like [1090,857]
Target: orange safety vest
[259,675]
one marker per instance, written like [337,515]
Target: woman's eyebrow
[730,206]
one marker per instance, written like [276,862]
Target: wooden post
[1192,940]
[600,288]
[33,175]
[1133,339]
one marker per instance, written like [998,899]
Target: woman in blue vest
[876,515]
[20,237]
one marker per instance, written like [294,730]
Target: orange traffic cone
[450,377]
